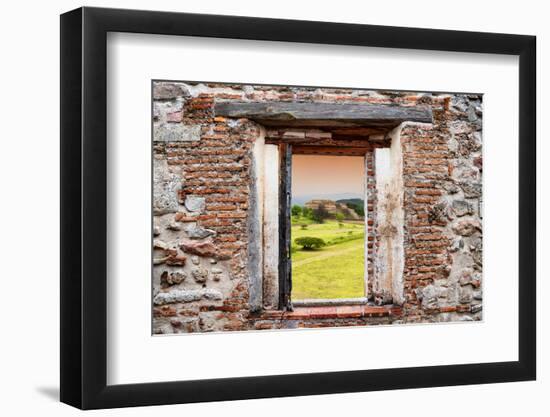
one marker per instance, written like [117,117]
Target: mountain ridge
[302,199]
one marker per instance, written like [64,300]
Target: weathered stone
[159,244]
[199,248]
[175,322]
[476,279]
[186,296]
[195,204]
[451,188]
[199,232]
[466,277]
[476,308]
[467,227]
[162,328]
[471,189]
[176,132]
[429,296]
[468,143]
[174,117]
[168,278]
[200,275]
[465,295]
[464,171]
[478,162]
[478,259]
[156,230]
[382,297]
[472,116]
[210,294]
[176,260]
[168,91]
[160,261]
[476,244]
[457,244]
[195,259]
[461,208]
[190,324]
[439,212]
[460,127]
[175,226]
[165,254]
[216,272]
[477,251]
[165,188]
[460,102]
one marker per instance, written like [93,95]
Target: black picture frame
[84,207]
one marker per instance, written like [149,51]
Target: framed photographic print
[257,208]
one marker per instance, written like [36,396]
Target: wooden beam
[358,131]
[324,114]
[285,267]
[329,150]
[296,136]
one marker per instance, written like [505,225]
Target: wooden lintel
[297,136]
[329,150]
[324,114]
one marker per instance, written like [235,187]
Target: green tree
[310,243]
[320,214]
[307,213]
[339,217]
[296,210]
[358,208]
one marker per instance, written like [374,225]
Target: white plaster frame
[270,231]
[366,215]
[389,259]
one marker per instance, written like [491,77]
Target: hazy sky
[320,174]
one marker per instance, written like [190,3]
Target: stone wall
[443,229]
[203,183]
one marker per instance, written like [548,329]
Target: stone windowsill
[313,302]
[334,312]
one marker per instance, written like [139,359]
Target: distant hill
[351,208]
[358,201]
[356,204]
[302,199]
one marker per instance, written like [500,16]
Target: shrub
[303,226]
[296,210]
[310,243]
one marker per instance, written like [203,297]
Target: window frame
[286,151]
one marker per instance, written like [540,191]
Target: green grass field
[334,271]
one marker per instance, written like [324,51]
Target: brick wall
[201,196]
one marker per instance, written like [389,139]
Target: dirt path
[326,255]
